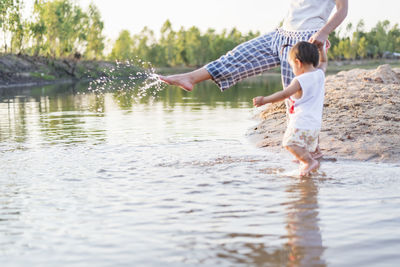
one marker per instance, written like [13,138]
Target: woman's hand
[318,38]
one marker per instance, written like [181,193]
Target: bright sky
[255,15]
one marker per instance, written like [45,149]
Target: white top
[308,14]
[306,112]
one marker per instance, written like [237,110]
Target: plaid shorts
[256,56]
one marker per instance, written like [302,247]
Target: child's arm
[321,36]
[323,58]
[293,88]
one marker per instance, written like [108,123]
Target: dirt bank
[361,117]
[22,70]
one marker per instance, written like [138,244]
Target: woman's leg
[187,80]
[247,59]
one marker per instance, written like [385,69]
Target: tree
[64,24]
[379,37]
[393,38]
[194,53]
[94,28]
[362,48]
[16,27]
[8,10]
[144,43]
[167,41]
[181,47]
[37,30]
[122,49]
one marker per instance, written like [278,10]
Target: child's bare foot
[316,155]
[308,168]
[181,80]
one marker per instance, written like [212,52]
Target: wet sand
[361,118]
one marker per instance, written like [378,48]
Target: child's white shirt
[308,15]
[306,112]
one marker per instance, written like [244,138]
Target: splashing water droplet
[135,78]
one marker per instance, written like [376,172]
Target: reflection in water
[305,242]
[50,114]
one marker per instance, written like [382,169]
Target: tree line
[60,28]
[55,29]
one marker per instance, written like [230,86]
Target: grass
[42,76]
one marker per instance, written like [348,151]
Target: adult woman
[306,20]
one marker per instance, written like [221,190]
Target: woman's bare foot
[308,168]
[181,80]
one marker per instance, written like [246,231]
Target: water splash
[134,79]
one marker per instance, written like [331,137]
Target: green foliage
[93,29]
[122,49]
[43,76]
[61,28]
[64,23]
[11,24]
[193,48]
[362,45]
[183,48]
[57,28]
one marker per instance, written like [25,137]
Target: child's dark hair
[305,52]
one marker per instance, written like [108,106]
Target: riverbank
[23,71]
[361,118]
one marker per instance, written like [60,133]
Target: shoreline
[38,83]
[24,71]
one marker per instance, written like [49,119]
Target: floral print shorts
[305,138]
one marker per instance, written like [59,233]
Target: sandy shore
[361,118]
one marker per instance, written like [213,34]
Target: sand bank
[361,117]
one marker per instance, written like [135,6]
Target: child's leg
[317,154]
[304,156]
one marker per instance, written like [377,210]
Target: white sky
[261,15]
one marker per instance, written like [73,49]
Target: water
[140,81]
[104,180]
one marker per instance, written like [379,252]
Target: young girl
[305,99]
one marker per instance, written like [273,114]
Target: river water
[101,180]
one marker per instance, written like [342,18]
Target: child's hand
[258,101]
[327,45]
